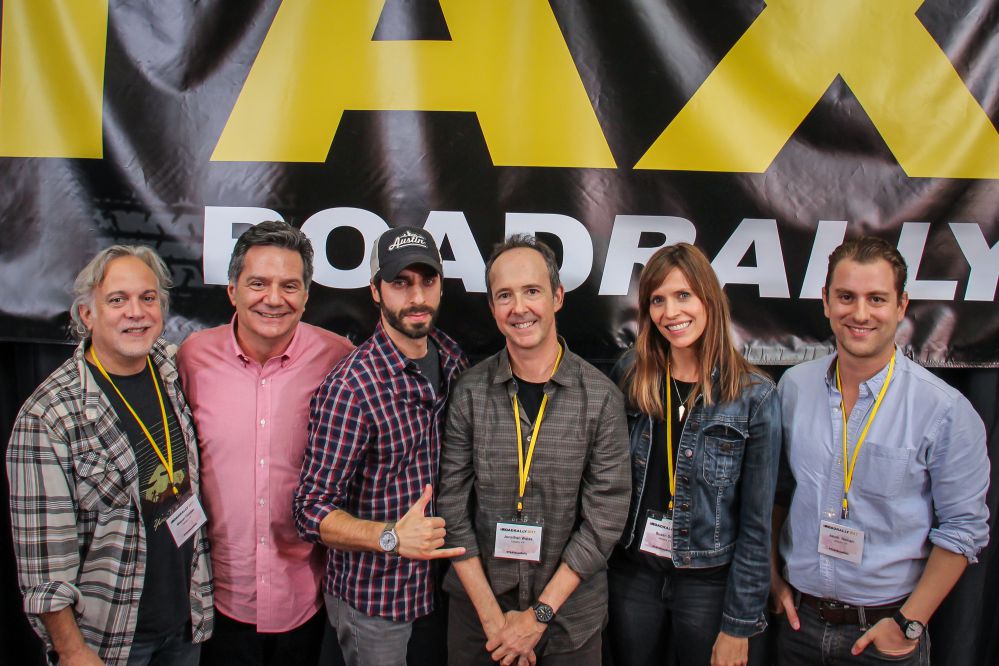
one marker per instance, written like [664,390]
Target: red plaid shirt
[374,442]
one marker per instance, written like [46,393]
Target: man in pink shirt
[249,384]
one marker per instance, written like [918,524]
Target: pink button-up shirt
[253,425]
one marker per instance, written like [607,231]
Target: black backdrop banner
[765,132]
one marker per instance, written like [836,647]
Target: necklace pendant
[682,410]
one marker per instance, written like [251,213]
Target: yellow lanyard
[524,469]
[848,470]
[168,461]
[670,470]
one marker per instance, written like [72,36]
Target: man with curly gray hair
[109,536]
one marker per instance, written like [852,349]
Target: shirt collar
[563,376]
[162,354]
[394,361]
[291,352]
[873,383]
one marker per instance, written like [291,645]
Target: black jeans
[235,643]
[658,619]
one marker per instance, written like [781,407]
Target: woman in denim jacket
[692,571]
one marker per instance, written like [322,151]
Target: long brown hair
[645,379]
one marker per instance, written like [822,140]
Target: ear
[903,304]
[231,290]
[374,293]
[87,315]
[825,302]
[559,297]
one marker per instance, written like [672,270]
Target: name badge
[518,541]
[658,536]
[841,542]
[186,518]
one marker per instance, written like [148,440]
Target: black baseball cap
[401,247]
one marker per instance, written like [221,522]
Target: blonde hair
[644,382]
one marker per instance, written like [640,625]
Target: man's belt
[836,612]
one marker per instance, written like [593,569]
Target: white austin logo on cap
[407,239]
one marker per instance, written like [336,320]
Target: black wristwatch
[911,629]
[389,540]
[543,613]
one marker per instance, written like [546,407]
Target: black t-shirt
[529,397]
[430,365]
[656,495]
[164,606]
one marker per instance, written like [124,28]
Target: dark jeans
[235,643]
[818,642]
[466,642]
[173,650]
[658,619]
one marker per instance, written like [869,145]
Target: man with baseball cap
[366,490]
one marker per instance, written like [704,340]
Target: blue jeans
[657,618]
[818,642]
[173,650]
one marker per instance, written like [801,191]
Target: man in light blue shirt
[876,527]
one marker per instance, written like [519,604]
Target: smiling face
[522,301]
[677,312]
[126,316]
[269,296]
[864,310]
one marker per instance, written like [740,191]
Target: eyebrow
[840,291]
[265,279]
[122,292]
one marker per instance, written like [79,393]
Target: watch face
[544,613]
[913,630]
[388,541]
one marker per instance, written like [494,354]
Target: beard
[413,331]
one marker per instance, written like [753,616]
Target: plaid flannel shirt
[76,519]
[374,443]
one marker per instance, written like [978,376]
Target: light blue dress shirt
[920,479]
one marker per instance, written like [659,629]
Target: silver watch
[389,539]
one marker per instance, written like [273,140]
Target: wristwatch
[389,540]
[911,629]
[543,613]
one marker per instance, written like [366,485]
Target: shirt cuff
[743,628]
[51,597]
[956,544]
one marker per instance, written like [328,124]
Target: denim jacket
[726,475]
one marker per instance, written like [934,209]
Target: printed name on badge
[518,541]
[658,536]
[841,542]
[186,519]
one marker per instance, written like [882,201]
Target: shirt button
[260,501]
[684,532]
[263,540]
[263,382]
[685,506]
[262,462]
[688,453]
[684,479]
[263,422]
